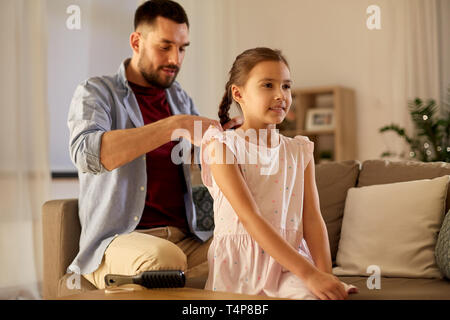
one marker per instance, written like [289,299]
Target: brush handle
[149,279]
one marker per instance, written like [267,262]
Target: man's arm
[118,147]
[96,147]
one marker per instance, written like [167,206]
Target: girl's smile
[279,108]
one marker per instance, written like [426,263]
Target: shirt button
[136,218]
[142,188]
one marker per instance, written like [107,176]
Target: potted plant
[431,141]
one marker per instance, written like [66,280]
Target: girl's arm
[230,181]
[314,229]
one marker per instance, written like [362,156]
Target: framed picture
[319,119]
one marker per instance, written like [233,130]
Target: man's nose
[174,57]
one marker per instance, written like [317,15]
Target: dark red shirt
[166,186]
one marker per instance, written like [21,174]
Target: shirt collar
[123,75]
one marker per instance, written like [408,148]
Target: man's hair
[150,10]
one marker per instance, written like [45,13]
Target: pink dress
[236,262]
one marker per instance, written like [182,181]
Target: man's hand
[233,123]
[194,125]
[118,147]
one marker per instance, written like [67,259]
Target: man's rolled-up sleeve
[89,118]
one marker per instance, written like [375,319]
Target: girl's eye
[286,86]
[268,85]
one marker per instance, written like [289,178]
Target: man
[135,204]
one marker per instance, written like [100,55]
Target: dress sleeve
[213,133]
[307,147]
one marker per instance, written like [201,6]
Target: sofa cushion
[333,180]
[399,289]
[204,206]
[443,247]
[392,226]
[386,171]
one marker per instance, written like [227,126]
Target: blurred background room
[365,60]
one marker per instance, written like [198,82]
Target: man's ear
[236,92]
[135,38]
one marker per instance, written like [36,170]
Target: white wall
[96,49]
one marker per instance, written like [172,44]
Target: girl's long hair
[239,72]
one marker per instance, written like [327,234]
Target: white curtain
[422,49]
[414,62]
[24,168]
[444,50]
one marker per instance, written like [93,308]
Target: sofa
[61,229]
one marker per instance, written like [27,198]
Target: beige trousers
[164,248]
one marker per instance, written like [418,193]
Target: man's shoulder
[100,83]
[101,87]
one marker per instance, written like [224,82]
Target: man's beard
[153,77]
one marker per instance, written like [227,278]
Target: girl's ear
[236,93]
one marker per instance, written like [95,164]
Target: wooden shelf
[316,133]
[341,100]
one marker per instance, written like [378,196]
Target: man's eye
[182,49]
[165,48]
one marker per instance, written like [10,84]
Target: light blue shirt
[112,202]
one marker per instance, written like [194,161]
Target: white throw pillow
[394,227]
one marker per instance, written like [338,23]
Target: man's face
[161,52]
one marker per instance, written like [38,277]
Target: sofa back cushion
[375,172]
[393,228]
[333,180]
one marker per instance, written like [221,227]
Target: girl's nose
[279,95]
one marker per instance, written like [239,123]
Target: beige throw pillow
[394,227]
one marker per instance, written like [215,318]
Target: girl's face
[265,98]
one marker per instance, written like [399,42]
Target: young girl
[265,196]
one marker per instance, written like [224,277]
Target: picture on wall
[320,119]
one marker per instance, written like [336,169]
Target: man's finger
[235,122]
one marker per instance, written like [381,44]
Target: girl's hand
[326,286]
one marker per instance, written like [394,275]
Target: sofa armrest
[61,234]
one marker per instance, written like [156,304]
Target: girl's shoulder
[213,133]
[300,141]
[226,137]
